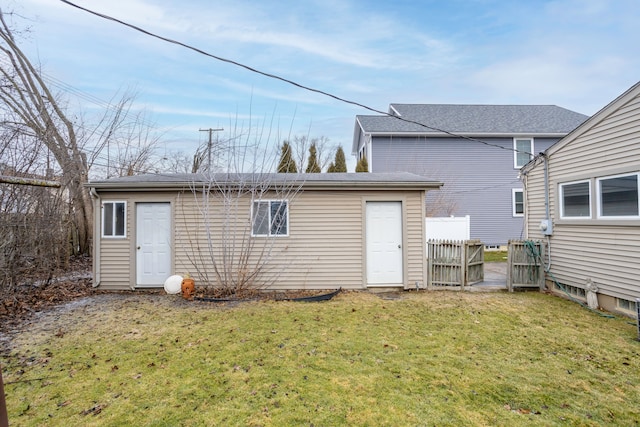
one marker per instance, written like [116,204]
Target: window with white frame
[575,200]
[114,219]
[270,218]
[618,196]
[518,202]
[522,151]
[626,305]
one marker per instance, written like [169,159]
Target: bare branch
[28,181]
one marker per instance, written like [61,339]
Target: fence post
[4,417]
[542,273]
[510,255]
[464,271]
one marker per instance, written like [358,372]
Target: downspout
[522,176]
[96,238]
[546,206]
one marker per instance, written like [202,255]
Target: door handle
[399,246]
[138,247]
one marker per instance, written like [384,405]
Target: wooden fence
[455,263]
[525,265]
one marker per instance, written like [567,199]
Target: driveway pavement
[495,277]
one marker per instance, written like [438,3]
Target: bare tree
[33,109]
[179,162]
[33,218]
[301,146]
[240,214]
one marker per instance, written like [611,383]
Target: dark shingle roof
[475,119]
[332,180]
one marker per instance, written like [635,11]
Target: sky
[577,54]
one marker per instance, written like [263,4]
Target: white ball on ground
[173,285]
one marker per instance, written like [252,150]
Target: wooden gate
[455,263]
[525,265]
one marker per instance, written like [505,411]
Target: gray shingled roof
[475,119]
[343,180]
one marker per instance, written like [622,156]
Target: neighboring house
[321,231]
[586,190]
[481,178]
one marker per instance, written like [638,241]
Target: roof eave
[316,185]
[471,134]
[357,131]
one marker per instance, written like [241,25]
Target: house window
[575,200]
[618,196]
[518,202]
[523,151]
[270,218]
[571,290]
[626,305]
[114,219]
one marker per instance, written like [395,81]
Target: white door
[384,243]
[153,243]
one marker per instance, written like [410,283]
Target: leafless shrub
[233,219]
[34,225]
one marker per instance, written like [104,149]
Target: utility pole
[211,131]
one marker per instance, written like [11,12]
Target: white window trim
[269,201]
[630,310]
[513,202]
[515,151]
[561,200]
[113,202]
[599,197]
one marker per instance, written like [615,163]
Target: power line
[66,87]
[285,80]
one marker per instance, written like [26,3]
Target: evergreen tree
[331,168]
[363,165]
[287,164]
[340,163]
[312,163]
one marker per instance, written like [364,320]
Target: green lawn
[428,358]
[495,256]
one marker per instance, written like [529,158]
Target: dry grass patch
[438,358]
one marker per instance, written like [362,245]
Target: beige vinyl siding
[535,210]
[115,252]
[117,262]
[415,256]
[612,145]
[605,252]
[609,256]
[325,246]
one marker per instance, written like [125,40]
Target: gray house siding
[479,179]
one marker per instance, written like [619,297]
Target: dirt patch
[43,306]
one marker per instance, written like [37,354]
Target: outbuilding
[267,231]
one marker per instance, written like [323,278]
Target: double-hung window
[114,219]
[270,218]
[618,196]
[518,202]
[575,200]
[522,151]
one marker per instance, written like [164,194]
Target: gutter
[549,229]
[96,240]
[469,134]
[318,185]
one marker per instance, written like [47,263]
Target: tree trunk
[26,96]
